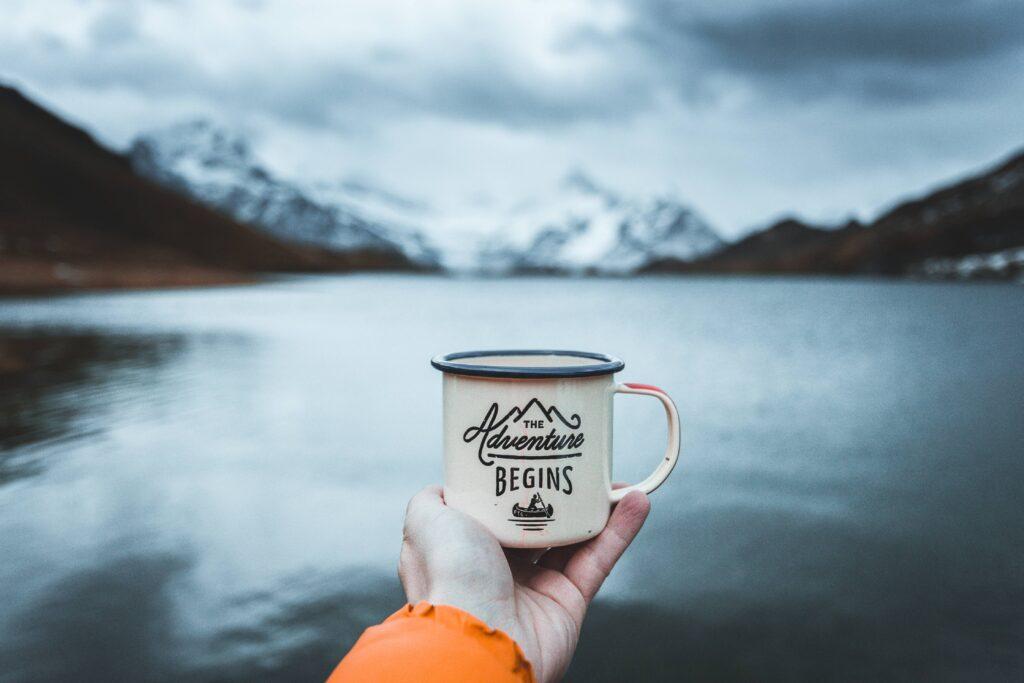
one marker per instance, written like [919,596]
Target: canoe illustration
[535,509]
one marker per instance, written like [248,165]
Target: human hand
[448,558]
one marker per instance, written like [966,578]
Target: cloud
[115,25]
[467,67]
[872,50]
[530,67]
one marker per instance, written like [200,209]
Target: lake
[210,484]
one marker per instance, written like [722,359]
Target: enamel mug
[528,442]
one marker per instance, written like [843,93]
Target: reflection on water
[118,622]
[109,622]
[55,385]
[216,495]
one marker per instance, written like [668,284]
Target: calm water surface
[209,485]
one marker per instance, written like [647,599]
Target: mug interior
[538,361]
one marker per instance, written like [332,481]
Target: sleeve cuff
[427,643]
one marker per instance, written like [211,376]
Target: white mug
[528,442]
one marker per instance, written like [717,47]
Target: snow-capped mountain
[585,227]
[219,169]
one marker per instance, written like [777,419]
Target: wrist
[484,610]
[497,613]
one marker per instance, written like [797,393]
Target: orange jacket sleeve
[434,643]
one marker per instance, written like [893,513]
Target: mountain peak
[197,141]
[586,227]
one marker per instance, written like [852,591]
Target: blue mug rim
[450,363]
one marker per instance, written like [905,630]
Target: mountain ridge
[581,226]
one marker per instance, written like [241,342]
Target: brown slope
[789,246]
[66,199]
[981,214]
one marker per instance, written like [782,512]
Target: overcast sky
[748,110]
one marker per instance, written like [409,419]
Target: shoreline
[40,277]
[26,277]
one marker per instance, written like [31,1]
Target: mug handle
[664,469]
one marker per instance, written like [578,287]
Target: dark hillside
[74,214]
